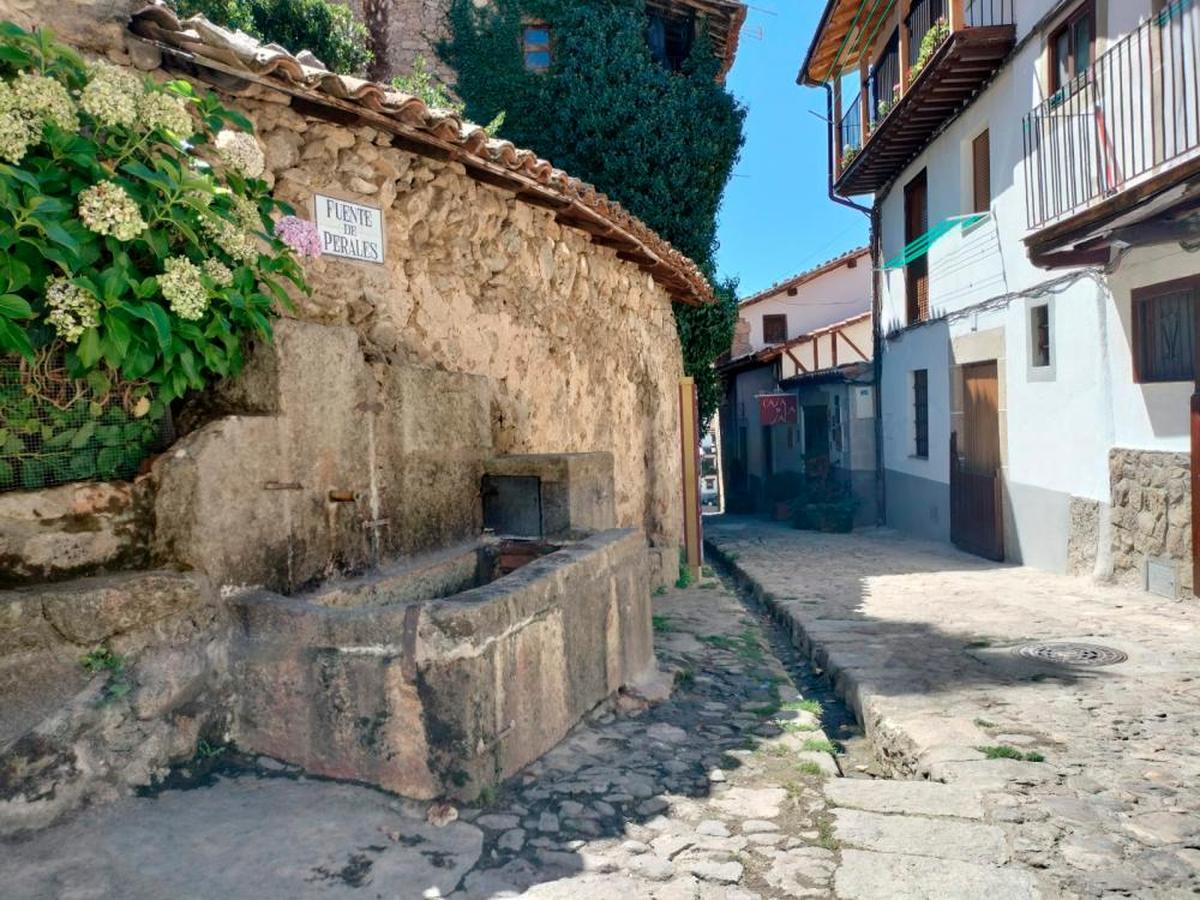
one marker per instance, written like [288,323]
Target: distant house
[403,30]
[799,400]
[1035,168]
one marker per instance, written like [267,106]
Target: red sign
[778,409]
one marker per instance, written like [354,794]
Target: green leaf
[13,307]
[88,350]
[14,339]
[156,316]
[83,435]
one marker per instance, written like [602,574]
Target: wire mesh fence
[55,429]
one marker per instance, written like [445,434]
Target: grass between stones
[1001,751]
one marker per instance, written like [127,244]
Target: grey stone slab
[917,798]
[939,838]
[244,838]
[884,876]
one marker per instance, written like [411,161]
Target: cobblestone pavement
[726,791]
[921,640]
[715,793]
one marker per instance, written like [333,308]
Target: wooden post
[689,426]
[864,106]
[957,18]
[902,31]
[835,133]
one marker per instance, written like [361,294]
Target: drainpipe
[872,212]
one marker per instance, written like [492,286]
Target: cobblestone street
[921,640]
[751,781]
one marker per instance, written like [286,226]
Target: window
[920,381]
[774,329]
[981,167]
[1039,336]
[535,45]
[1164,331]
[916,273]
[1071,46]
[670,39]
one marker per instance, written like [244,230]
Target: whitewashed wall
[831,297]
[1059,427]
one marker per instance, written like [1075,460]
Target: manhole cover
[1072,654]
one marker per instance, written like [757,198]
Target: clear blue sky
[777,218]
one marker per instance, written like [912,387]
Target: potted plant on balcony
[937,33]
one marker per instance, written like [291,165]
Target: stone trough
[447,673]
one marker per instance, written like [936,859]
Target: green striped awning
[921,245]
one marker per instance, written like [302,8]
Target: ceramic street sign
[349,230]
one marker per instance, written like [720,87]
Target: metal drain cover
[1069,653]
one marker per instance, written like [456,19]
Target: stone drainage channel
[856,755]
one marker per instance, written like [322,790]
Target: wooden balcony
[918,64]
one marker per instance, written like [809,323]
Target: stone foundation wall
[75,529]
[69,736]
[1151,514]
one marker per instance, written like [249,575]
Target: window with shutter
[981,156]
[916,273]
[1164,331]
[774,329]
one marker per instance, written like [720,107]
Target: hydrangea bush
[136,236]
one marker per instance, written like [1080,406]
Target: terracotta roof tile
[197,43]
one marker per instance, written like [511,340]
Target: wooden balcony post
[835,133]
[957,19]
[902,30]
[864,106]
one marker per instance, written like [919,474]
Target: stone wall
[1151,514]
[579,347]
[69,736]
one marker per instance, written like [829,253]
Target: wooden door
[916,273]
[976,494]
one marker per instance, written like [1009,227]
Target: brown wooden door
[916,273]
[976,495]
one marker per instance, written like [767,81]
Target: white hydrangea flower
[16,134]
[247,214]
[72,309]
[218,272]
[165,112]
[240,151]
[238,243]
[45,99]
[112,95]
[106,208]
[182,288]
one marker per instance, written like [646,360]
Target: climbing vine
[661,143]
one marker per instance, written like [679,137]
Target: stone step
[916,798]
[886,876]
[941,839]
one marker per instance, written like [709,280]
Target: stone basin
[447,675]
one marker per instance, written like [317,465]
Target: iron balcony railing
[850,136]
[884,81]
[1133,113]
[987,13]
[922,16]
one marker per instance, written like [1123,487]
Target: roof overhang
[844,35]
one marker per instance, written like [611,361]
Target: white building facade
[1039,284]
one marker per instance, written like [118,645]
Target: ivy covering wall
[661,143]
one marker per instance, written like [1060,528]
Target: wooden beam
[792,357]
[854,347]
